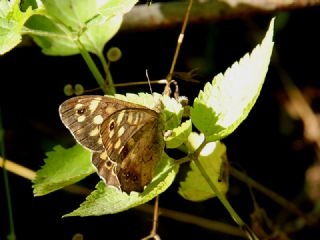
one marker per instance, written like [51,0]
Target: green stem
[11,235]
[221,197]
[109,79]
[93,68]
[106,88]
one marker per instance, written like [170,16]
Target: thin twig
[11,235]
[269,193]
[194,220]
[153,234]
[180,40]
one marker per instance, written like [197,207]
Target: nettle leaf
[11,24]
[145,99]
[71,21]
[179,135]
[109,200]
[99,31]
[62,168]
[111,7]
[212,158]
[227,101]
[59,42]
[73,14]
[173,112]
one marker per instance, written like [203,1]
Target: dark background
[31,89]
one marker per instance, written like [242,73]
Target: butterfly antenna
[149,81]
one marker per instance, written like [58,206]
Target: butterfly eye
[81,111]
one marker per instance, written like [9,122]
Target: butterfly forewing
[124,137]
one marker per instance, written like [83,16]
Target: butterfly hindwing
[127,136]
[135,168]
[106,168]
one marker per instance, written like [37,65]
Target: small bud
[114,54]
[68,90]
[78,89]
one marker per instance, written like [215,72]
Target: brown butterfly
[125,138]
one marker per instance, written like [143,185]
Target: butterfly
[125,139]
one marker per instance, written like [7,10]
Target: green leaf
[62,168]
[179,135]
[99,31]
[11,24]
[24,5]
[112,7]
[145,99]
[173,112]
[73,21]
[109,200]
[56,41]
[212,157]
[228,100]
[73,14]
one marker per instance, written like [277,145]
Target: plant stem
[11,235]
[109,80]
[180,39]
[221,197]
[93,68]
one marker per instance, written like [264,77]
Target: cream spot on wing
[98,119]
[117,144]
[130,118]
[110,110]
[93,105]
[131,142]
[104,155]
[121,131]
[120,118]
[120,149]
[94,132]
[78,106]
[111,133]
[81,118]
[109,146]
[136,119]
[100,141]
